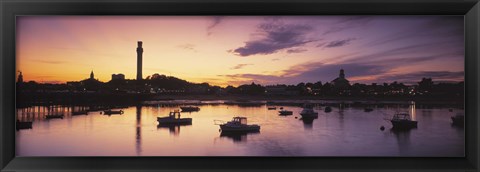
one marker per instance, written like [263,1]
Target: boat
[271,108]
[80,113]
[189,108]
[239,124]
[368,109]
[285,112]
[308,112]
[23,125]
[52,116]
[173,118]
[458,120]
[328,109]
[95,109]
[402,121]
[112,112]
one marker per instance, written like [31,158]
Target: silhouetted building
[139,60]
[280,90]
[116,77]
[90,84]
[341,82]
[20,78]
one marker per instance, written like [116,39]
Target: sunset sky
[233,50]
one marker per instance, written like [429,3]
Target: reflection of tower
[138,135]
[139,60]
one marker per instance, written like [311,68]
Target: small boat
[95,109]
[271,108]
[239,124]
[112,112]
[80,113]
[458,120]
[308,112]
[285,112]
[174,118]
[368,109]
[281,108]
[189,108]
[52,116]
[403,121]
[328,109]
[23,125]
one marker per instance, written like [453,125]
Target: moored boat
[239,124]
[189,108]
[52,116]
[173,118]
[112,112]
[308,112]
[328,109]
[368,109]
[80,113]
[24,125]
[285,112]
[458,120]
[402,121]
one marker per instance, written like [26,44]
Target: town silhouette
[160,87]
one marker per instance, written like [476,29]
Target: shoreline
[235,99]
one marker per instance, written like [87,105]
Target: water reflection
[403,139]
[174,129]
[138,131]
[341,133]
[308,122]
[238,136]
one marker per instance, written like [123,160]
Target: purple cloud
[339,43]
[277,36]
[216,20]
[297,50]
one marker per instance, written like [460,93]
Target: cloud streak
[240,66]
[50,61]
[339,43]
[190,47]
[216,20]
[276,36]
[349,23]
[298,50]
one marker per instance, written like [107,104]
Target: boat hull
[190,109]
[285,112]
[249,128]
[328,109]
[80,113]
[404,124]
[24,125]
[458,121]
[167,121]
[113,112]
[54,116]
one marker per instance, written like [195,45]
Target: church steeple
[92,75]
[342,74]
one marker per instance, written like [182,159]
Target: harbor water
[345,131]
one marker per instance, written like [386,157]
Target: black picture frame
[9,9]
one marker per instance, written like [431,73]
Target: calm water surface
[347,131]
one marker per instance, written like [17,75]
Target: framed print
[252,85]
